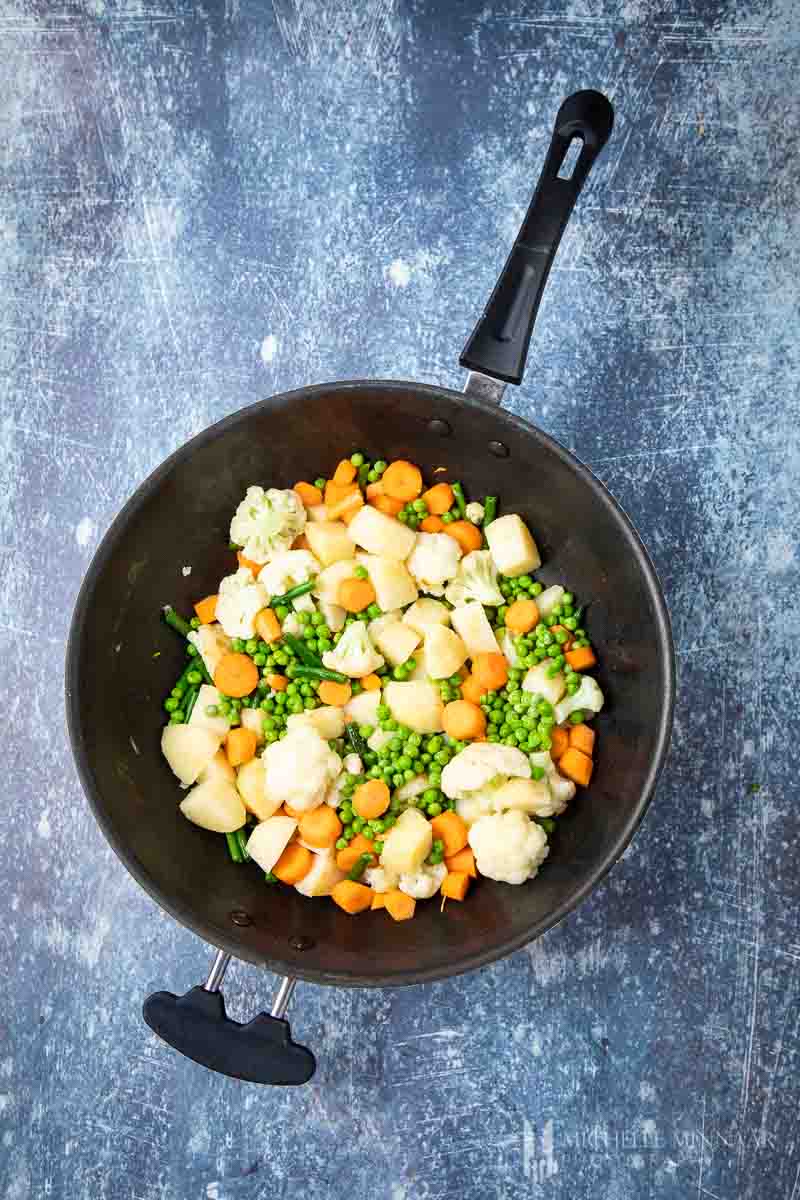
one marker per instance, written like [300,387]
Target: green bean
[234,848]
[306,656]
[176,621]
[489,509]
[301,672]
[302,589]
[359,866]
[189,702]
[241,838]
[357,742]
[460,498]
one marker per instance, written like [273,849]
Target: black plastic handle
[262,1051]
[498,345]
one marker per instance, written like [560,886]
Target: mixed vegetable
[381,702]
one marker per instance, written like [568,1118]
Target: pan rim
[219,936]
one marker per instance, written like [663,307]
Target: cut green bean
[306,656]
[359,867]
[489,509]
[176,621]
[461,500]
[189,702]
[241,838]
[302,589]
[297,671]
[357,742]
[233,847]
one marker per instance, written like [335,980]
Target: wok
[115,684]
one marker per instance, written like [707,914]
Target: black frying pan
[181,513]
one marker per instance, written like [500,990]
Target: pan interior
[122,662]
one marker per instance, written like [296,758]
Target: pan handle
[262,1051]
[498,345]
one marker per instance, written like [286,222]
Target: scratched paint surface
[200,205]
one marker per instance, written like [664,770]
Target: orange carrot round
[346,859]
[371,683]
[402,480]
[334,693]
[522,616]
[432,525]
[278,683]
[294,864]
[240,746]
[320,827]
[490,670]
[356,594]
[472,689]
[371,799]
[559,741]
[386,504]
[463,720]
[310,495]
[236,675]
[468,536]
[439,498]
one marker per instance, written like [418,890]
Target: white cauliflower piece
[299,769]
[480,763]
[352,764]
[433,561]
[588,699]
[561,790]
[266,523]
[477,804]
[424,883]
[211,642]
[335,616]
[475,512]
[379,739]
[239,601]
[547,600]
[354,654]
[286,571]
[532,796]
[476,580]
[506,642]
[292,625]
[412,787]
[380,880]
[508,846]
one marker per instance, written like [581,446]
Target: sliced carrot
[355,595]
[472,689]
[522,616]
[468,536]
[351,896]
[432,525]
[310,495]
[240,746]
[463,861]
[334,693]
[402,480]
[248,562]
[375,489]
[559,741]
[378,900]
[344,473]
[206,610]
[463,720]
[576,765]
[371,683]
[455,885]
[295,813]
[490,670]
[294,864]
[582,738]
[399,906]
[320,827]
[337,491]
[371,799]
[346,508]
[236,675]
[268,627]
[582,659]
[439,498]
[278,683]
[450,829]
[301,542]
[346,859]
[386,504]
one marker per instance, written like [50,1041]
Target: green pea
[357,459]
[443,757]
[176,717]
[380,466]
[400,673]
[281,612]
[179,691]
[537,772]
[171,704]
[577,717]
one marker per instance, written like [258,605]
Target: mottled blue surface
[204,204]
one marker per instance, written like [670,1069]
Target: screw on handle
[498,345]
[196,1024]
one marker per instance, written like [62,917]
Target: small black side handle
[498,345]
[196,1024]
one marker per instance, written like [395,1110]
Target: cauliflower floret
[480,802]
[506,642]
[352,764]
[211,642]
[476,580]
[479,764]
[433,561]
[588,698]
[475,512]
[532,796]
[354,654]
[299,769]
[266,523]
[380,880]
[508,847]
[239,600]
[335,616]
[424,883]
[561,790]
[286,571]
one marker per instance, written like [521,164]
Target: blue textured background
[200,205]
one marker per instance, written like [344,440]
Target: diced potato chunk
[445,652]
[397,642]
[268,840]
[215,805]
[250,782]
[536,681]
[407,844]
[394,585]
[472,625]
[206,698]
[380,534]
[512,548]
[189,750]
[323,876]
[329,541]
[363,708]
[426,612]
[328,721]
[416,704]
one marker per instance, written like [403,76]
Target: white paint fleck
[269,348]
[84,532]
[186,572]
[637,1161]
[136,749]
[399,273]
[649,1127]
[646,1091]
[43,828]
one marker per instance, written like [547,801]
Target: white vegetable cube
[426,612]
[269,839]
[536,680]
[512,548]
[328,721]
[212,642]
[379,534]
[209,697]
[407,844]
[378,624]
[330,542]
[472,625]
[363,708]
[548,599]
[218,768]
[393,584]
[323,876]
[215,805]
[335,616]
[251,787]
[189,750]
[445,652]
[317,512]
[397,642]
[416,704]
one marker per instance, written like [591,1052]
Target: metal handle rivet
[437,425]
[300,942]
[498,449]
